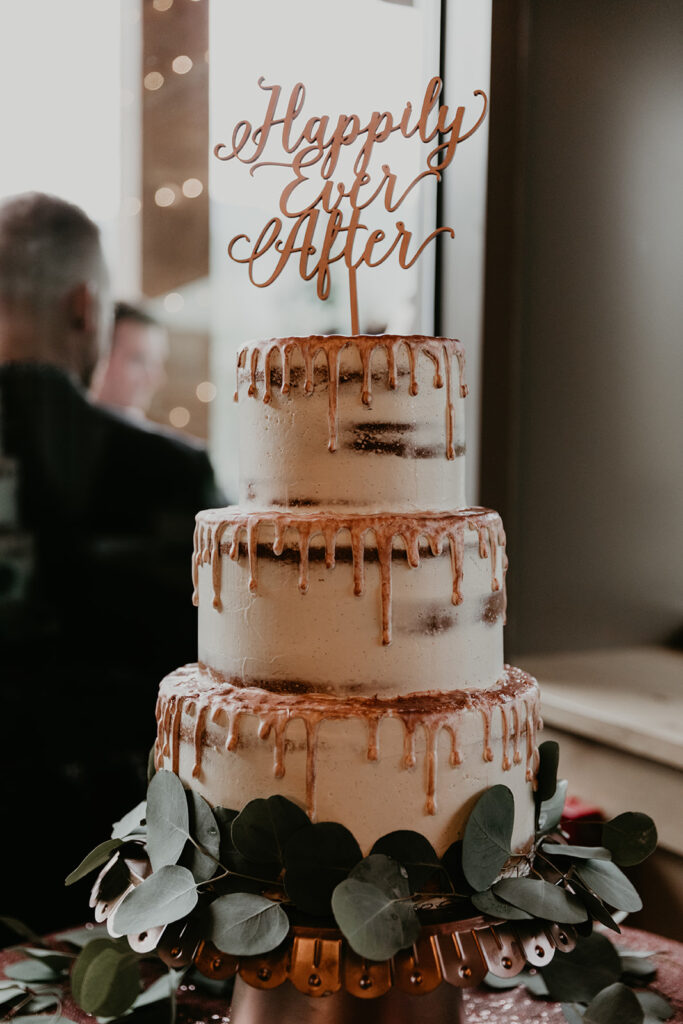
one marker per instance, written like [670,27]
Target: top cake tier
[390,408]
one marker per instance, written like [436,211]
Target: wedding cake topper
[317,231]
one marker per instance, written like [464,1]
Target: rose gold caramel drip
[432,730]
[533,724]
[196,690]
[435,527]
[440,351]
[486,718]
[373,737]
[507,763]
[199,730]
[516,756]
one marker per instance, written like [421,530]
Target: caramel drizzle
[440,351]
[430,712]
[199,728]
[507,763]
[533,724]
[516,756]
[435,527]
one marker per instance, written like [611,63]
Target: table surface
[482,1006]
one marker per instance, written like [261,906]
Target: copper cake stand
[315,976]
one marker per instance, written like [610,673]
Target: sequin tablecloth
[482,1006]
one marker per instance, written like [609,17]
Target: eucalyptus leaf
[81,936]
[106,978]
[205,831]
[595,907]
[246,924]
[263,828]
[578,976]
[163,988]
[224,818]
[576,852]
[384,872]
[610,883]
[247,873]
[546,777]
[487,838]
[616,1004]
[375,925]
[503,984]
[488,903]
[10,991]
[654,1006]
[530,979]
[131,823]
[317,858]
[168,819]
[542,899]
[452,862]
[573,1013]
[631,837]
[151,766]
[550,811]
[637,970]
[40,1018]
[31,971]
[415,853]
[100,855]
[52,957]
[167,895]
[535,983]
[41,1002]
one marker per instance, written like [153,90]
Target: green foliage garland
[246,873]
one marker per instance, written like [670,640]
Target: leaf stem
[227,872]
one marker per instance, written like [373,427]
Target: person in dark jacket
[109,508]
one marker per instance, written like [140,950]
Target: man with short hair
[111,507]
[136,368]
[55,306]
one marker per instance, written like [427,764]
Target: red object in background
[582,822]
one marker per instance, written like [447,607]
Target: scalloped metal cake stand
[315,976]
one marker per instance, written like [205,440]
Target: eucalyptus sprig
[246,873]
[592,983]
[102,973]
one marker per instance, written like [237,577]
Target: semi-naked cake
[351,607]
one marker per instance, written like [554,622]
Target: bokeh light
[206,391]
[164,196]
[179,416]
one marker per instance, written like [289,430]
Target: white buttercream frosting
[351,608]
[372,765]
[351,603]
[374,423]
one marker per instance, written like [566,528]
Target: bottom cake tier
[374,765]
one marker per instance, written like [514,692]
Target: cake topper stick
[353,300]
[320,142]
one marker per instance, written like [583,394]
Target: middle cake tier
[320,602]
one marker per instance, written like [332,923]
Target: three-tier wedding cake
[351,607]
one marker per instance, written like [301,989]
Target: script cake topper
[322,220]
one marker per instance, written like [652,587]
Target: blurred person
[110,505]
[136,367]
